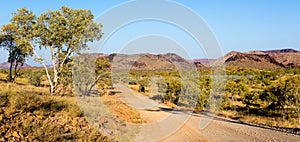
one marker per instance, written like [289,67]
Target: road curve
[166,125]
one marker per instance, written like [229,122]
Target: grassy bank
[29,113]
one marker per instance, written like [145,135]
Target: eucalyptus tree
[7,42]
[91,71]
[62,33]
[65,32]
[16,54]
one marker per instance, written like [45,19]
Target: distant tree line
[259,92]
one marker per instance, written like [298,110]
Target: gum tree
[63,33]
[16,53]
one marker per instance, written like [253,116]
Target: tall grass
[29,113]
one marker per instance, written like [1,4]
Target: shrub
[173,91]
[35,77]
[35,103]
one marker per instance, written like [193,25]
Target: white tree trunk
[53,83]
[55,73]
[46,69]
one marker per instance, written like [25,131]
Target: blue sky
[240,25]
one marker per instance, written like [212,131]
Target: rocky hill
[169,61]
[281,51]
[289,58]
[204,61]
[6,65]
[255,61]
[270,59]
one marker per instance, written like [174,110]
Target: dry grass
[148,93]
[25,89]
[272,121]
[3,76]
[136,88]
[29,113]
[122,110]
[269,121]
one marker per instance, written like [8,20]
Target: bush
[173,91]
[35,77]
[35,103]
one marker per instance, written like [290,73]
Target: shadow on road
[295,131]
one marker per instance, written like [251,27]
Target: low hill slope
[6,65]
[255,61]
[270,59]
[169,61]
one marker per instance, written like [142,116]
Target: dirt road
[171,125]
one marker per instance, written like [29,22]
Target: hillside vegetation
[29,113]
[73,99]
[259,96]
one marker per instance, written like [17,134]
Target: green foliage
[67,30]
[172,90]
[205,83]
[89,71]
[271,93]
[144,81]
[282,93]
[16,53]
[103,74]
[255,92]
[251,99]
[65,78]
[64,32]
[236,87]
[191,95]
[35,77]
[84,74]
